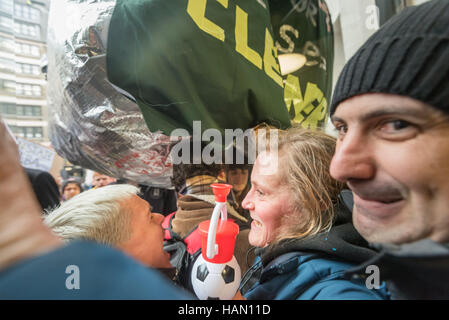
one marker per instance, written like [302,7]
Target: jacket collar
[418,270]
[341,242]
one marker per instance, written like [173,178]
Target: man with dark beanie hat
[408,56]
[391,111]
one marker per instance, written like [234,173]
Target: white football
[213,281]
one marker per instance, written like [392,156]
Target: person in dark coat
[162,200]
[45,188]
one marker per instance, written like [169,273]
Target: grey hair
[96,215]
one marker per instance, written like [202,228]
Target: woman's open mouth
[256,224]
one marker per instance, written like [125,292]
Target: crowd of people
[310,226]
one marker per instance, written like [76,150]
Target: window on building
[7,44]
[27,49]
[26,12]
[7,65]
[35,52]
[7,108]
[27,29]
[36,91]
[20,133]
[38,132]
[35,69]
[20,110]
[6,6]
[27,132]
[7,87]
[25,89]
[37,111]
[28,111]
[6,23]
[15,130]
[26,68]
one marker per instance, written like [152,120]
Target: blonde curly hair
[306,156]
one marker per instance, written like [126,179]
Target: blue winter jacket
[103,273]
[306,277]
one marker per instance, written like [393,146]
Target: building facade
[23,30]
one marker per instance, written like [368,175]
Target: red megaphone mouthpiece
[221,191]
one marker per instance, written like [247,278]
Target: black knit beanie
[408,56]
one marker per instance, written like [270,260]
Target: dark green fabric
[179,73]
[305,27]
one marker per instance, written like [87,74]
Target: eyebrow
[255,184]
[385,111]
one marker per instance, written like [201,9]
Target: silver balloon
[93,123]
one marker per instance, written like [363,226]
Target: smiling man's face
[393,153]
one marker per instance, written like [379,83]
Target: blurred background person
[238,175]
[45,188]
[100,180]
[162,200]
[71,188]
[237,172]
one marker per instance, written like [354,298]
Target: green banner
[188,60]
[303,35]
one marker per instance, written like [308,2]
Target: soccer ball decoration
[213,281]
[216,273]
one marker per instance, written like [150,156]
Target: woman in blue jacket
[303,232]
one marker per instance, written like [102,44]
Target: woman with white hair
[116,216]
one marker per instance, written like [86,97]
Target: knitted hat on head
[408,56]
